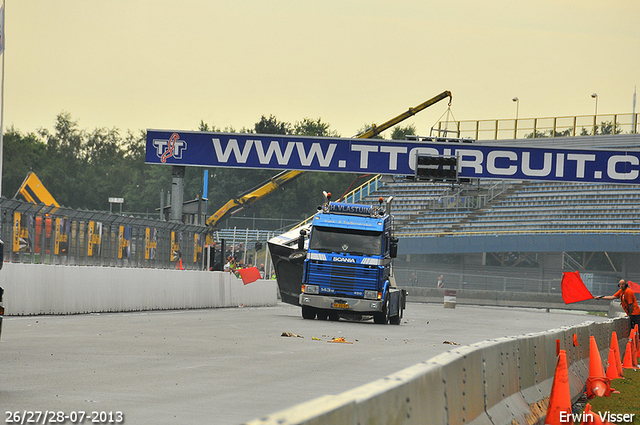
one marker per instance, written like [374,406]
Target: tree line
[83,169]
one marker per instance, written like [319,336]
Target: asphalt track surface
[226,366]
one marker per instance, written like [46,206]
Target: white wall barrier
[42,289]
[504,381]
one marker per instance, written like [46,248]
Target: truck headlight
[371,295]
[311,289]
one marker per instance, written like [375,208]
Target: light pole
[595,114]
[515,123]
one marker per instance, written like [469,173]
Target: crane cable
[351,185]
[449,114]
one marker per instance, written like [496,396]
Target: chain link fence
[39,234]
[500,279]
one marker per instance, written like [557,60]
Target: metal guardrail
[578,125]
[465,198]
[357,194]
[366,189]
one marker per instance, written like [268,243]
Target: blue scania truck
[347,266]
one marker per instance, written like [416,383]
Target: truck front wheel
[308,313]
[382,318]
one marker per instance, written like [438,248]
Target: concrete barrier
[506,381]
[41,289]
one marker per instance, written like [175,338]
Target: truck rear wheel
[308,313]
[395,320]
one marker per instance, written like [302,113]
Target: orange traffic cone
[637,341]
[598,384]
[590,418]
[616,349]
[595,362]
[628,363]
[559,408]
[634,349]
[612,368]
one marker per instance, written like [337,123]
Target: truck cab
[348,264]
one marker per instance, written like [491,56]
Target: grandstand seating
[523,207]
[410,199]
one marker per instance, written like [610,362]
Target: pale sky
[138,64]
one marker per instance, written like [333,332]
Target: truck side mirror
[303,233]
[393,249]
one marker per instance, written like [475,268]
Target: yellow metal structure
[278,180]
[253,195]
[34,191]
[377,129]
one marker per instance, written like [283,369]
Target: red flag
[634,287]
[249,275]
[573,289]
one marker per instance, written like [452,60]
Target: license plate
[340,305]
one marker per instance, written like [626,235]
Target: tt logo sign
[170,148]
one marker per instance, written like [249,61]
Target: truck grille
[343,278]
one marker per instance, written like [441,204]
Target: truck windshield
[350,241]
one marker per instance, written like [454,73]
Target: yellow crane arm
[253,195]
[377,129]
[278,180]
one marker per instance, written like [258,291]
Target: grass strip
[627,401]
